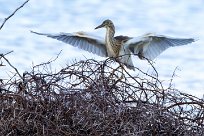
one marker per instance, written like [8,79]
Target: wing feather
[82,40]
[153,45]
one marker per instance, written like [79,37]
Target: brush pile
[92,98]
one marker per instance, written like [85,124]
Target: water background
[178,18]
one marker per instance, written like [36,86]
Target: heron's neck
[110,33]
[110,41]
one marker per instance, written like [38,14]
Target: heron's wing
[81,40]
[150,45]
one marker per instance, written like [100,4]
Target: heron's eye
[109,23]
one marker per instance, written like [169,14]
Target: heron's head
[107,23]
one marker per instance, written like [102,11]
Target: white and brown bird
[120,47]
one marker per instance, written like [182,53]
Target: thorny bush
[92,98]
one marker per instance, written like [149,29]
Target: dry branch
[92,98]
[6,19]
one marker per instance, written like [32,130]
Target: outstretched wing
[81,40]
[150,45]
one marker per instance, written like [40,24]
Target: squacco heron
[147,46]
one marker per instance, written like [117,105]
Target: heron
[147,46]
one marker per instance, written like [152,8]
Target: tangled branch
[92,98]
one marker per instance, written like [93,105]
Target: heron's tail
[131,67]
[127,61]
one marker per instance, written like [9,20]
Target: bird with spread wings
[147,46]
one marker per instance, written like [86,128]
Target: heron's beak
[100,26]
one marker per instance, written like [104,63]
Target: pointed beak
[100,26]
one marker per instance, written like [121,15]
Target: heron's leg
[121,66]
[119,77]
[122,73]
[116,69]
[113,71]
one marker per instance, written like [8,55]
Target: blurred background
[133,18]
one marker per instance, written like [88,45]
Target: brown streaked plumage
[121,47]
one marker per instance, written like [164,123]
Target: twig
[6,19]
[50,61]
[3,56]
